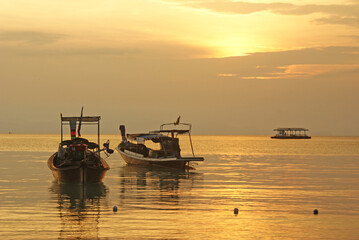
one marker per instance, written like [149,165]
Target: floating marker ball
[115,209]
[235,211]
[315,211]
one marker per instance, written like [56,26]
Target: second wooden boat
[134,151]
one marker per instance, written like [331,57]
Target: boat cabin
[168,146]
[166,138]
[291,133]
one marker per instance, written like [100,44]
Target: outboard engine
[77,151]
[107,148]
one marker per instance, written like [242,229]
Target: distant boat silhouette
[291,133]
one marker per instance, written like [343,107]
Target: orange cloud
[305,71]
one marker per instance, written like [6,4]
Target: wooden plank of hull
[137,161]
[78,174]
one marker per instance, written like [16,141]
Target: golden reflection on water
[166,187]
[275,184]
[79,209]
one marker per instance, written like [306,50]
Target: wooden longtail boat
[78,160]
[134,151]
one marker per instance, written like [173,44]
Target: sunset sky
[228,67]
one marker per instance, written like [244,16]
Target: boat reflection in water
[155,188]
[79,209]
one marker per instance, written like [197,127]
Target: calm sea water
[275,184]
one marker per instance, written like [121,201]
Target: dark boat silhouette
[291,133]
[79,160]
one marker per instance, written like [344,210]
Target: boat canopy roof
[143,136]
[83,119]
[178,131]
[290,129]
[154,134]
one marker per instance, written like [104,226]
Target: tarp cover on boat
[141,137]
[144,136]
[177,131]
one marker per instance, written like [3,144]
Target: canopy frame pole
[189,134]
[61,128]
[98,137]
[190,140]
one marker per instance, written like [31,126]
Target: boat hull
[78,174]
[136,159]
[291,137]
